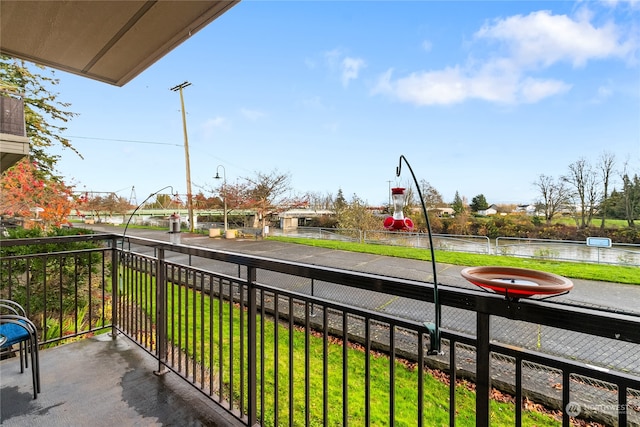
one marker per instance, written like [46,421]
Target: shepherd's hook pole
[435,335]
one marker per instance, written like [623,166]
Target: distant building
[443,212]
[295,217]
[527,209]
[491,210]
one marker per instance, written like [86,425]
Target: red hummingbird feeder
[398,222]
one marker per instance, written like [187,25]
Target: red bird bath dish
[517,282]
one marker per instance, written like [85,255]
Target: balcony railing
[12,112]
[283,343]
[14,143]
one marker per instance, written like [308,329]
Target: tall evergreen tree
[458,204]
[340,203]
[479,203]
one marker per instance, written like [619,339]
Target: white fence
[568,250]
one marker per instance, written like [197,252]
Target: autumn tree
[318,201]
[27,192]
[356,216]
[585,192]
[33,183]
[108,205]
[554,194]
[200,201]
[164,201]
[237,194]
[606,163]
[264,192]
[432,197]
[45,115]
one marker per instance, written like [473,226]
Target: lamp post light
[224,193]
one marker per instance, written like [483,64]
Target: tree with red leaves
[25,192]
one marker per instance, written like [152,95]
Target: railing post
[161,313]
[252,406]
[483,369]
[115,283]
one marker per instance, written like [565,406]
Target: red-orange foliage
[23,190]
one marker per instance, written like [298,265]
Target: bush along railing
[64,283]
[251,333]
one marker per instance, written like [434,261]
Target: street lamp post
[224,193]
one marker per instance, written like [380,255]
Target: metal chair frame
[12,313]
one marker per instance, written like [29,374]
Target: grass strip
[202,314]
[586,271]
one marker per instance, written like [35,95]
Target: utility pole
[179,88]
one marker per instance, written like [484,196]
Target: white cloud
[543,39]
[314,102]
[333,57]
[350,69]
[214,123]
[615,3]
[448,86]
[533,90]
[526,45]
[454,86]
[252,114]
[603,93]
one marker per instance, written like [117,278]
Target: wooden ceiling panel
[110,41]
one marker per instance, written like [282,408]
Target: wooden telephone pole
[179,88]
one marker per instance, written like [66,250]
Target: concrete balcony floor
[102,382]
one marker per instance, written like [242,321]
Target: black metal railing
[12,113]
[284,343]
[64,283]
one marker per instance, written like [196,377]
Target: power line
[199,149]
[123,140]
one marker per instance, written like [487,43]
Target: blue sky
[481,98]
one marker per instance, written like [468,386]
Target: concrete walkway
[101,382]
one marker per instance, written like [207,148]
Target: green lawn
[281,338]
[608,223]
[599,272]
